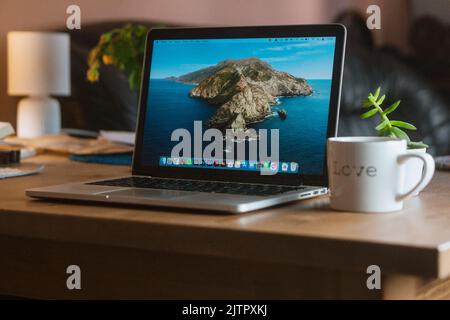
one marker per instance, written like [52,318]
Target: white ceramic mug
[367,174]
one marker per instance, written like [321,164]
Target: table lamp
[38,66]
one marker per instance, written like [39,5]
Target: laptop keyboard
[198,185]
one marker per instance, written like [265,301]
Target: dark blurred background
[409,57]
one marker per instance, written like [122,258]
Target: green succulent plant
[122,48]
[387,127]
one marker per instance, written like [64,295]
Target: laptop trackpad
[146,193]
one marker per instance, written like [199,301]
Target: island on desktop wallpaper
[243,91]
[241,85]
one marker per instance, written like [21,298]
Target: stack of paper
[6,129]
[63,143]
[125,137]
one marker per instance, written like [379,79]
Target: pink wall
[41,15]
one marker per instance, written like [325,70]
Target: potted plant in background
[395,129]
[122,48]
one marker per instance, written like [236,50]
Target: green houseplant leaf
[377,93]
[369,113]
[417,145]
[382,125]
[367,103]
[403,124]
[389,128]
[399,133]
[380,101]
[392,107]
[122,48]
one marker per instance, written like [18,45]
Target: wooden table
[301,250]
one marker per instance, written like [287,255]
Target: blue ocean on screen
[302,133]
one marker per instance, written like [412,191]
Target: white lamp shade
[38,63]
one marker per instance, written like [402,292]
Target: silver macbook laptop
[230,119]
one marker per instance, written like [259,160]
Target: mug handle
[428,171]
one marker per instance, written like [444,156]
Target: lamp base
[37,116]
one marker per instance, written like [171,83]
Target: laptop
[230,119]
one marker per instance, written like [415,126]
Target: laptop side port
[306,194]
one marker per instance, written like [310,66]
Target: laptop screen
[274,90]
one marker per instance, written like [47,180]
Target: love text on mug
[353,170]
